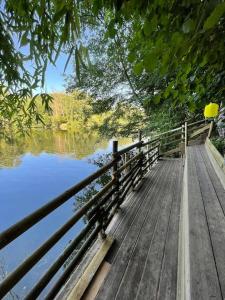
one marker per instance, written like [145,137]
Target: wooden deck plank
[203,274]
[148,286]
[127,213]
[133,274]
[168,279]
[134,240]
[214,213]
[124,253]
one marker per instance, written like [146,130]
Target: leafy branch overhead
[32,33]
[156,51]
[163,50]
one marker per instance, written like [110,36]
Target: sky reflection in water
[33,170]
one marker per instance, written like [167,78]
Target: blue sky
[55,76]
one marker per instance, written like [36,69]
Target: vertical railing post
[115,175]
[140,151]
[186,135]
[101,218]
[182,133]
[149,154]
[139,138]
[210,129]
[182,145]
[126,158]
[157,151]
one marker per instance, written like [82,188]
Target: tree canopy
[161,51]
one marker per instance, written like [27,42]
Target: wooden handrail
[195,123]
[168,132]
[199,131]
[129,148]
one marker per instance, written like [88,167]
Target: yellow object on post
[211,110]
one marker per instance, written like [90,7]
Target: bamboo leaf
[215,16]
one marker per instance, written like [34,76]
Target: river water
[33,170]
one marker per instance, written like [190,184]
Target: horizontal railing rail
[127,168]
[196,123]
[176,139]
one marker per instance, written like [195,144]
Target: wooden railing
[127,166]
[175,140]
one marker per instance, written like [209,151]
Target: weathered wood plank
[153,233]
[125,252]
[214,215]
[128,213]
[168,280]
[217,160]
[203,273]
[218,157]
[95,285]
[183,272]
[220,190]
[150,280]
[79,289]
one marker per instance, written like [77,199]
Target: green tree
[179,45]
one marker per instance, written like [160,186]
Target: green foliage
[158,51]
[215,16]
[32,32]
[77,112]
[19,111]
[219,143]
[165,117]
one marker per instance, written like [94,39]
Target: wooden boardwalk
[144,259]
[166,241]
[206,197]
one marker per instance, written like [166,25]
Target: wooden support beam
[217,160]
[83,283]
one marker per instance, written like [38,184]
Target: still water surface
[33,170]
